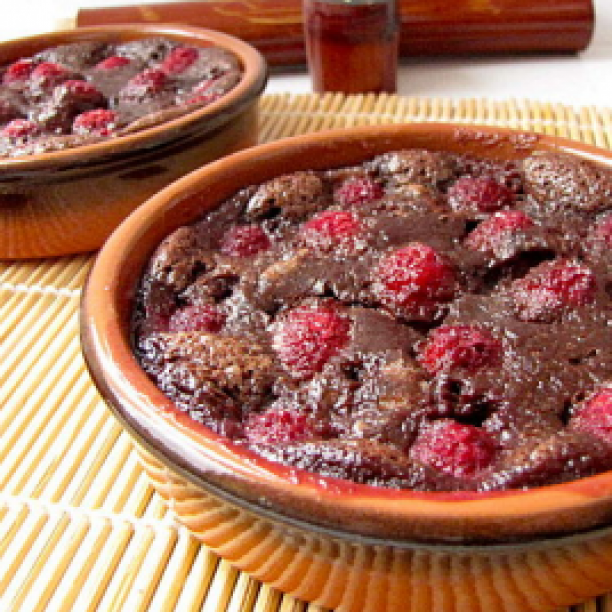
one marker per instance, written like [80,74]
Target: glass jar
[352,45]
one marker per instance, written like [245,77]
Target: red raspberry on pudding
[144,86]
[179,59]
[595,414]
[18,72]
[551,289]
[498,228]
[454,448]
[331,229]
[466,347]
[100,122]
[244,241]
[358,190]
[112,62]
[153,79]
[204,317]
[280,423]
[479,195]
[413,282]
[20,128]
[308,336]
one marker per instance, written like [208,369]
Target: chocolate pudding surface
[423,321]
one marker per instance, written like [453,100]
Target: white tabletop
[582,79]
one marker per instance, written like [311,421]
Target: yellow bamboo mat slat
[80,527]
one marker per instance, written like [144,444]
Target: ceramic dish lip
[197,121]
[289,493]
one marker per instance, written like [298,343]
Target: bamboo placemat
[80,527]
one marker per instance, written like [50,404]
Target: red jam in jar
[352,45]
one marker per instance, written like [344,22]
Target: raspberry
[479,194]
[152,78]
[595,415]
[308,337]
[413,281]
[551,289]
[179,59]
[20,128]
[197,318]
[358,190]
[496,229]
[331,229]
[144,85]
[48,75]
[454,448]
[460,346]
[99,121]
[244,241]
[110,63]
[18,72]
[279,424]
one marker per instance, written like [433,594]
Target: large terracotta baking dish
[342,545]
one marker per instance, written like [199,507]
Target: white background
[582,79]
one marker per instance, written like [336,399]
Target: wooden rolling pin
[428,27]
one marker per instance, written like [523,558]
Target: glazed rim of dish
[199,121]
[286,493]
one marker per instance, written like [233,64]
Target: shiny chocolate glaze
[371,400]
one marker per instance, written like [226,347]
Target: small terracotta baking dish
[68,201]
[343,545]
